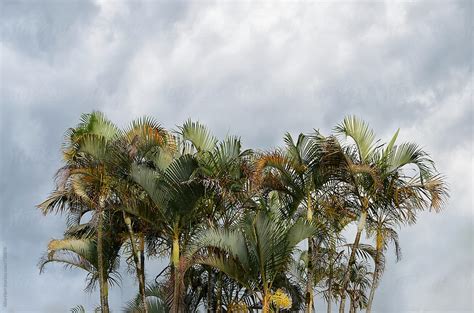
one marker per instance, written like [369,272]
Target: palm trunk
[175,261]
[209,290]
[351,261]
[329,310]
[342,305]
[266,301]
[332,262]
[103,285]
[142,261]
[219,293]
[138,262]
[142,267]
[309,283]
[373,287]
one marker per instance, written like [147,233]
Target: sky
[250,68]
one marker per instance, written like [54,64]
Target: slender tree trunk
[266,301]
[310,270]
[332,262]
[342,305]
[103,284]
[329,310]
[209,290]
[175,261]
[142,263]
[138,262]
[351,261]
[309,283]
[219,293]
[373,287]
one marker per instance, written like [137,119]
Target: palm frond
[198,135]
[410,153]
[78,309]
[361,133]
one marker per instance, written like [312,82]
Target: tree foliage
[242,229]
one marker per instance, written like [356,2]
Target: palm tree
[358,284]
[336,222]
[256,252]
[402,195]
[136,144]
[298,174]
[381,226]
[224,169]
[196,179]
[175,195]
[104,155]
[85,181]
[369,167]
[361,180]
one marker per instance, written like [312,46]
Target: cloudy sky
[256,69]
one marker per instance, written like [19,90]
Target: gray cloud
[252,69]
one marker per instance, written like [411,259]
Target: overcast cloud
[252,69]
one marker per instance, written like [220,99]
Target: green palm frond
[163,157]
[94,146]
[80,231]
[198,135]
[391,144]
[180,172]
[78,309]
[301,230]
[410,153]
[361,133]
[229,149]
[259,247]
[306,150]
[149,180]
[230,241]
[156,301]
[97,123]
[363,251]
[229,265]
